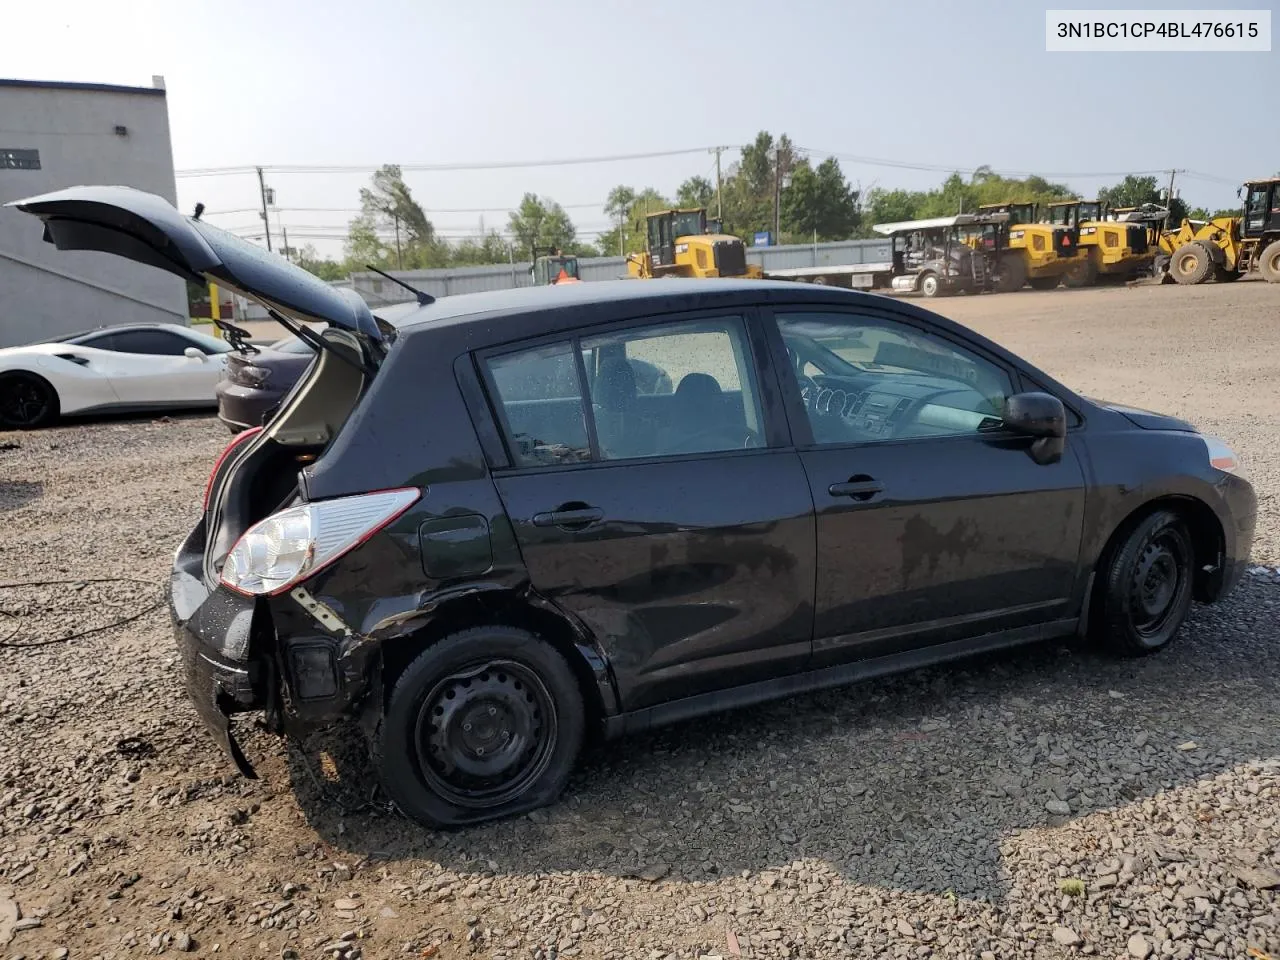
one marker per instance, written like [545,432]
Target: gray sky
[926,82]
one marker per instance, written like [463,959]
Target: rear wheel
[1043,283]
[1269,263]
[1146,586]
[483,724]
[1191,263]
[929,285]
[26,401]
[1013,273]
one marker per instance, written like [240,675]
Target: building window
[13,158]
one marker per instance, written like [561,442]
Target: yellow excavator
[1114,244]
[1227,248]
[680,244]
[1028,251]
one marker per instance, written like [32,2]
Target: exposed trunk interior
[263,477]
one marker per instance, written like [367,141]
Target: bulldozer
[1028,251]
[1114,244]
[553,267]
[679,243]
[1227,248]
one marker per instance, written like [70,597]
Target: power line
[431,167]
[357,210]
[954,168]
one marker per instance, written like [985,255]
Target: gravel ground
[1048,804]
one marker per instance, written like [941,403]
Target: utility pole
[288,254]
[399,258]
[262,192]
[777,195]
[1168,201]
[719,194]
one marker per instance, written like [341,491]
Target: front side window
[152,342]
[866,379]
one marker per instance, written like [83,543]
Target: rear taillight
[250,375]
[294,544]
[238,439]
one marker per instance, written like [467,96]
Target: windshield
[689,223]
[1063,216]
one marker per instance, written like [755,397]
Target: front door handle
[856,488]
[575,519]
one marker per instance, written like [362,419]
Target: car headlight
[1222,457]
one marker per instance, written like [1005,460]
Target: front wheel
[26,401]
[1145,586]
[929,285]
[1269,263]
[1191,263]
[482,724]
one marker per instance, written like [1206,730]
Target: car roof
[550,309]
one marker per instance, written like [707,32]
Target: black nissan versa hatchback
[476,535]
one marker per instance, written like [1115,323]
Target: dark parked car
[258,378]
[484,572]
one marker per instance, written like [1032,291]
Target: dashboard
[852,409]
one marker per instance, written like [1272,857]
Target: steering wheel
[697,442]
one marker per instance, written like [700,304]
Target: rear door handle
[572,519]
[856,489]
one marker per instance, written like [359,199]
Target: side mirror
[1041,416]
[193,353]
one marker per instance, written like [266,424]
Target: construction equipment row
[999,247]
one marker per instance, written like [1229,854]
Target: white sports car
[136,367]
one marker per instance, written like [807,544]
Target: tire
[1043,283]
[1160,268]
[1082,274]
[27,402]
[1145,586]
[467,678]
[1013,273]
[1191,263]
[930,286]
[1269,263]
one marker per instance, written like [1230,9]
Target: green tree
[309,259]
[541,223]
[696,192]
[891,206]
[820,202]
[492,248]
[1133,191]
[392,230]
[634,213]
[764,166]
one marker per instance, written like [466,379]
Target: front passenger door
[933,523]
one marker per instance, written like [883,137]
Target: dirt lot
[1047,804]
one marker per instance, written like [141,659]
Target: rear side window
[540,404]
[153,342]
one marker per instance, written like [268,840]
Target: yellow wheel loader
[1114,245]
[1227,248]
[679,244]
[1031,252]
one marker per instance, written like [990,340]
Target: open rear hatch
[260,474]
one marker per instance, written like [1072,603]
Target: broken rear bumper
[210,629]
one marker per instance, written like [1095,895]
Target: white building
[55,135]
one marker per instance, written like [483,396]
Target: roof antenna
[199,210]
[423,297]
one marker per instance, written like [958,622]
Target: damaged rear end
[243,569]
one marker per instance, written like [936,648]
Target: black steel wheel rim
[23,402]
[1159,578]
[485,733]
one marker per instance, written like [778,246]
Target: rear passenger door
[655,496]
